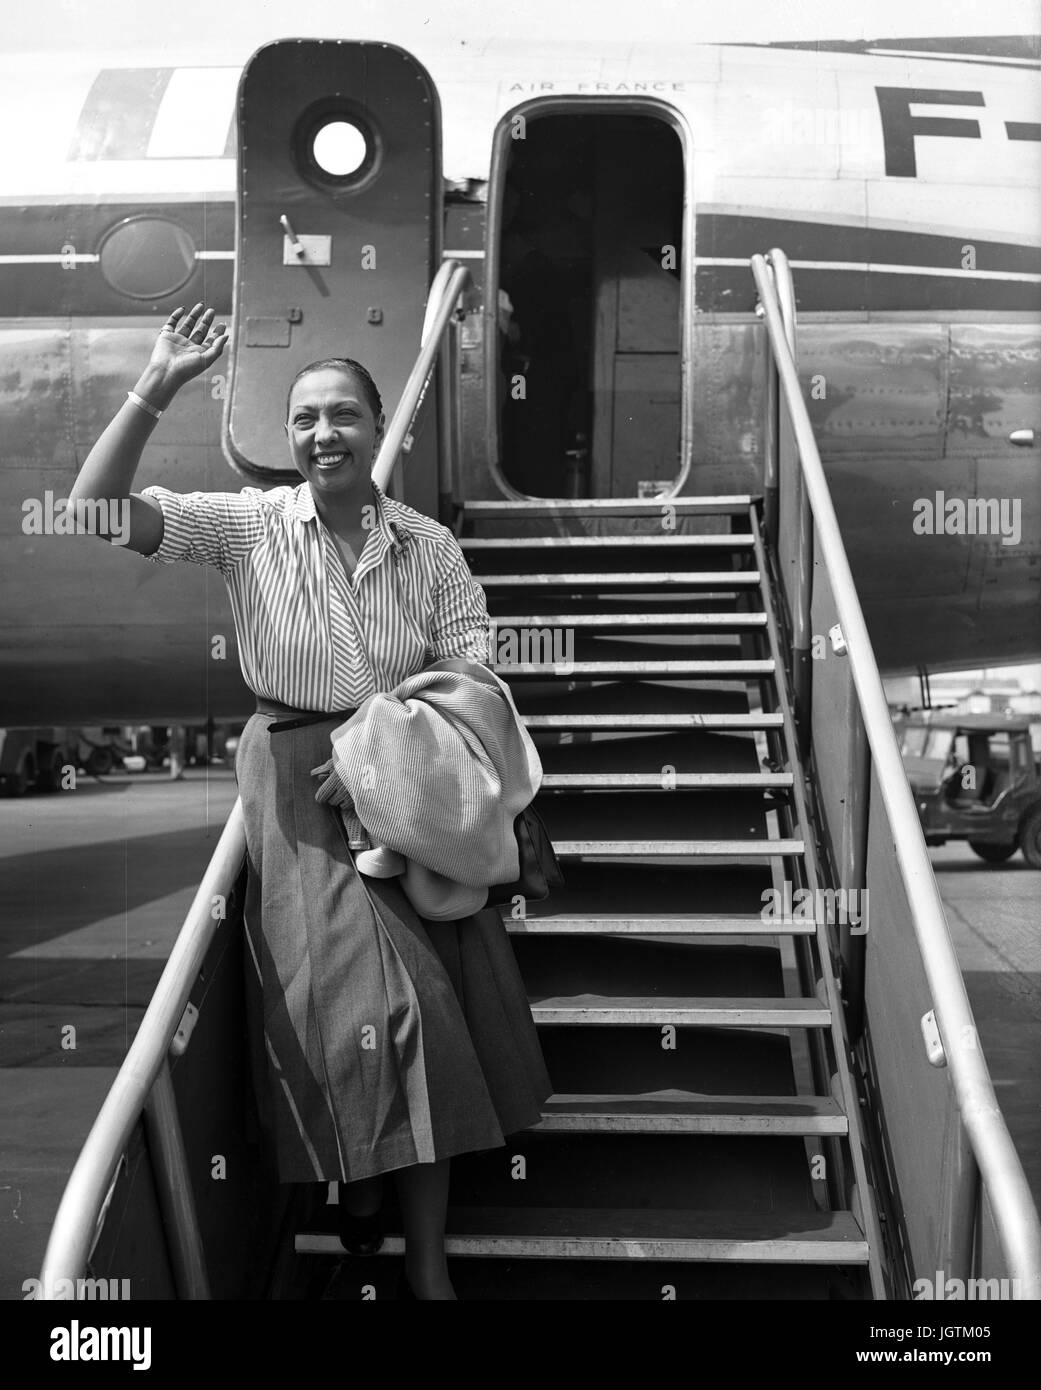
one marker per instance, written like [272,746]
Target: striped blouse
[309,635]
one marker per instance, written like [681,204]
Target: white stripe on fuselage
[70,258]
[880,269]
[88,258]
[877,268]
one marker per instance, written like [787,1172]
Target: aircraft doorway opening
[590,306]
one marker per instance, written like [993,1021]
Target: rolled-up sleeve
[207,528]
[461,625]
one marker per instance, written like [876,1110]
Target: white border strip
[85,258]
[76,258]
[1022,276]
[942,56]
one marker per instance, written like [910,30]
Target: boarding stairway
[750,1102]
[705,1120]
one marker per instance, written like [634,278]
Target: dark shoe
[359,1235]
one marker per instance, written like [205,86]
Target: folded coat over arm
[439,768]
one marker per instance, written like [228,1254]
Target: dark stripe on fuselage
[728,290]
[822,289]
[998,49]
[1023,130]
[743,234]
[46,290]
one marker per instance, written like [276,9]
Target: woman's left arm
[461,625]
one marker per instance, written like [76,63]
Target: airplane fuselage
[903,190]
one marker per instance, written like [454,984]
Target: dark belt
[290,718]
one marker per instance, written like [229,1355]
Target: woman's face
[333,436]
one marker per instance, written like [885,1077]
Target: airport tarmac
[94,885]
[995,920]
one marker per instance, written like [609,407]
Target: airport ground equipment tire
[17,783]
[101,761]
[993,853]
[1030,837]
[48,778]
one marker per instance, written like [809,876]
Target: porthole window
[334,145]
[147,257]
[339,148]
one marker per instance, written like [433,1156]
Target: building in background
[995,690]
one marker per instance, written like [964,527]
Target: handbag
[539,870]
[539,867]
[441,900]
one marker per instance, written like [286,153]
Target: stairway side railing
[942,1129]
[143,1083]
[449,283]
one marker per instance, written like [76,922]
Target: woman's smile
[330,460]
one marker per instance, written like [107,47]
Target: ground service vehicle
[975,778]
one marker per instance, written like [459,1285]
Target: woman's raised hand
[188,343]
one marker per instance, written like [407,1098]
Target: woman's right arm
[187,345]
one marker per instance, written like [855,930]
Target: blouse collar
[393,530]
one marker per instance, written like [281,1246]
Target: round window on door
[334,146]
[147,257]
[339,148]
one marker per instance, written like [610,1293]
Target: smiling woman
[379,1058]
[334,422]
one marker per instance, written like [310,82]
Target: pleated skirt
[379,1039]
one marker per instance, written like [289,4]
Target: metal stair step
[607,924]
[741,540]
[585,1010]
[605,506]
[652,781]
[662,669]
[770,1236]
[752,722]
[629,579]
[683,1112]
[644,621]
[576,849]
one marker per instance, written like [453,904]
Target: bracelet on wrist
[143,404]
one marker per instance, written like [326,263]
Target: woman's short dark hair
[343,364]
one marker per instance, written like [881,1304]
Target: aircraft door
[338,235]
[592,300]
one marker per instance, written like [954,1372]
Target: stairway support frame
[853,873]
[1014,1212]
[784,454]
[814,953]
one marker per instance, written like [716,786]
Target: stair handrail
[449,283]
[84,1200]
[1015,1215]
